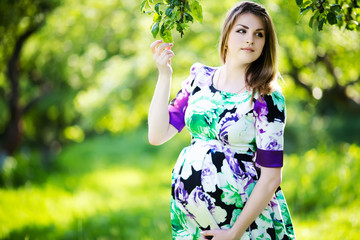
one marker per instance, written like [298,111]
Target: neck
[234,73]
[231,78]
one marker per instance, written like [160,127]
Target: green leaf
[299,2]
[303,13]
[142,6]
[165,34]
[173,15]
[155,29]
[157,8]
[177,15]
[196,10]
[157,17]
[184,26]
[188,18]
[351,25]
[335,7]
[321,24]
[306,4]
[311,22]
[168,38]
[188,6]
[331,17]
[163,28]
[169,11]
[178,27]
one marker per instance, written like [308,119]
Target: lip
[247,49]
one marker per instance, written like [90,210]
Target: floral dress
[230,139]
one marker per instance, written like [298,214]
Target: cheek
[262,44]
[234,39]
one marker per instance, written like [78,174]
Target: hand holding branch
[162,55]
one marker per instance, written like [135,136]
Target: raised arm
[160,130]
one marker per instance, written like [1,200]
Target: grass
[331,223]
[108,188]
[118,187]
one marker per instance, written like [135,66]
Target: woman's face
[246,39]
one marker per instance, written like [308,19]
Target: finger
[207,233]
[154,44]
[169,55]
[165,55]
[208,237]
[164,58]
[161,47]
[166,51]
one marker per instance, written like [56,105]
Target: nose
[250,41]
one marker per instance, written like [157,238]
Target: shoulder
[275,98]
[272,105]
[200,75]
[201,68]
[196,67]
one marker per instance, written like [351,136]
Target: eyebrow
[246,27]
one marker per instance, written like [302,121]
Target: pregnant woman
[225,184]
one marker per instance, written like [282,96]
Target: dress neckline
[215,69]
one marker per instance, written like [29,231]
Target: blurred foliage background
[76,81]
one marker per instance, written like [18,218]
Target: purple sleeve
[269,112]
[177,108]
[178,105]
[268,158]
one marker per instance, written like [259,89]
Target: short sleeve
[178,105]
[270,123]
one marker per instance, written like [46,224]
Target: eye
[259,34]
[241,31]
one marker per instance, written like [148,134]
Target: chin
[246,60]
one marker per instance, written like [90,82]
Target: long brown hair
[261,75]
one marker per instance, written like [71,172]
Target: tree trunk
[12,136]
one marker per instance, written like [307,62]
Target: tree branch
[352,82]
[11,138]
[330,67]
[294,72]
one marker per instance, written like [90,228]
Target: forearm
[257,202]
[158,118]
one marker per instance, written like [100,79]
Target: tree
[341,13]
[171,13]
[321,68]
[19,20]
[75,78]
[88,69]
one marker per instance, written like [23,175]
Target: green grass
[331,223]
[108,187]
[118,187]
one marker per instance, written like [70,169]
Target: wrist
[165,75]
[235,233]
